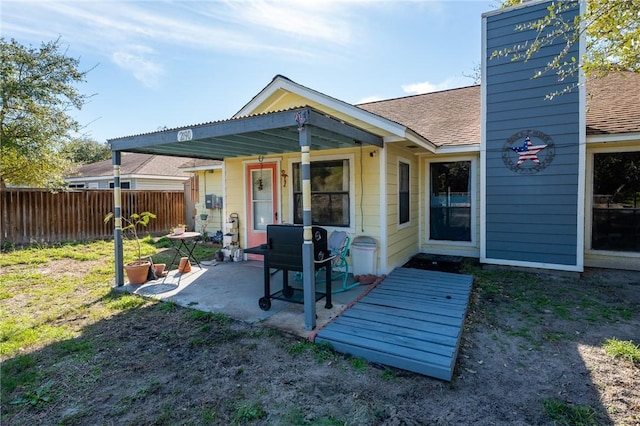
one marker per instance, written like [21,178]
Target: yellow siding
[282,100]
[209,182]
[235,195]
[402,240]
[366,209]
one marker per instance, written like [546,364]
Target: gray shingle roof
[613,104]
[136,164]
[452,117]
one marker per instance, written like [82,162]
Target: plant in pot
[179,229]
[137,270]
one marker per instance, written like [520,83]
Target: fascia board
[200,168]
[618,137]
[356,113]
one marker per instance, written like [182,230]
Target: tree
[37,89]
[612,29]
[84,150]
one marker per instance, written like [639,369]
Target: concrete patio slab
[233,289]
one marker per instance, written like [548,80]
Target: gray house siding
[531,201]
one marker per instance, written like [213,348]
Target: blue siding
[531,213]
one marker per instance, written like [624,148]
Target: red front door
[262,201]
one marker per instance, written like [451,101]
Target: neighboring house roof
[450,117]
[196,164]
[135,164]
[613,104]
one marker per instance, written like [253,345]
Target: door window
[261,198]
[616,202]
[450,201]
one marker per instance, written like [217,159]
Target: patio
[233,289]
[411,320]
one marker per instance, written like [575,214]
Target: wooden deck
[412,320]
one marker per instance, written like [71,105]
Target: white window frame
[352,188]
[473,170]
[588,213]
[402,160]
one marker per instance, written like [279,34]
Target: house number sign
[185,135]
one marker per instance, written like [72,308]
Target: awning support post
[117,216]
[308,269]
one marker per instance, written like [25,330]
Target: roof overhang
[264,134]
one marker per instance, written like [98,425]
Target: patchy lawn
[537,349]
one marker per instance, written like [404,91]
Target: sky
[155,64]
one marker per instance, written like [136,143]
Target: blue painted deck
[412,320]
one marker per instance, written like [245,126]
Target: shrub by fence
[38,216]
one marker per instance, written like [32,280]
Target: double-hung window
[330,203]
[403,192]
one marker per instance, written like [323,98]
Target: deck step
[413,320]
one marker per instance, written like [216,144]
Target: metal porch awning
[278,132]
[263,134]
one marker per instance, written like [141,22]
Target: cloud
[428,87]
[368,99]
[325,21]
[135,60]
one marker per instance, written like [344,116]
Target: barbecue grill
[283,251]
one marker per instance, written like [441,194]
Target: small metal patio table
[184,244]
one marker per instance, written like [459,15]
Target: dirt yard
[531,355]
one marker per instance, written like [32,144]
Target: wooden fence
[35,216]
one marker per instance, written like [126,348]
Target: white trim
[554,266]
[408,223]
[352,188]
[473,172]
[131,177]
[525,3]
[202,168]
[582,148]
[618,137]
[483,143]
[376,121]
[384,261]
[588,204]
[276,181]
[458,149]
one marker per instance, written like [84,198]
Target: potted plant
[179,229]
[138,270]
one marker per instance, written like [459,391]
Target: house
[137,171]
[496,171]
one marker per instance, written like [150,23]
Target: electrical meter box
[212,201]
[209,201]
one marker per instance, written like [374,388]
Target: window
[403,192]
[450,201]
[76,186]
[194,185]
[123,185]
[329,193]
[616,201]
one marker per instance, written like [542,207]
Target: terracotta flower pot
[137,272]
[184,266]
[159,269]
